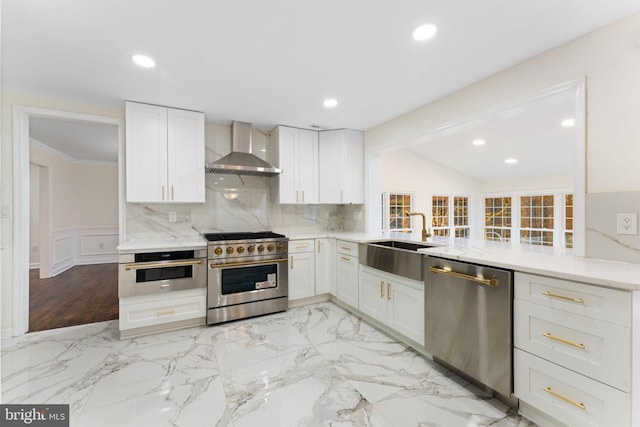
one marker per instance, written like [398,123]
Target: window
[536,219]
[497,218]
[461,216]
[450,216]
[395,206]
[440,215]
[568,220]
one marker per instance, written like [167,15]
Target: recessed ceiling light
[511,161]
[330,103]
[479,142]
[568,123]
[424,32]
[143,61]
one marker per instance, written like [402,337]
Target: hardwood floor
[80,295]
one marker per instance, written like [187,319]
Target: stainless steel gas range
[247,275]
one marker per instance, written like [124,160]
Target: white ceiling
[77,139]
[273,62]
[531,133]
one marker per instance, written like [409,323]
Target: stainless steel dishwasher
[468,321]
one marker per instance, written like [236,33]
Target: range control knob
[280,247]
[261,248]
[218,250]
[240,249]
[269,248]
[251,248]
[229,250]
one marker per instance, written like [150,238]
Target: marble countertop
[547,261]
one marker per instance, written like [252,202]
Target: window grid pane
[536,219]
[497,218]
[461,216]
[399,205]
[568,220]
[440,211]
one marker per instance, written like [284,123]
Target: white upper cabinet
[341,156]
[296,153]
[164,154]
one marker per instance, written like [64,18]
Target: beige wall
[610,60]
[96,195]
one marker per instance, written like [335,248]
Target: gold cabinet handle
[165,312]
[565,398]
[172,194]
[302,246]
[345,248]
[382,289]
[344,258]
[161,264]
[562,340]
[552,295]
[163,193]
[489,282]
[318,246]
[388,291]
[292,262]
[296,196]
[240,264]
[302,196]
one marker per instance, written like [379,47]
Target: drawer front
[347,248]
[597,349]
[567,396]
[159,312]
[608,305]
[298,246]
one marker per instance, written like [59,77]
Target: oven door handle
[161,264]
[240,264]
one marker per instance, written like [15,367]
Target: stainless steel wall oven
[247,275]
[144,273]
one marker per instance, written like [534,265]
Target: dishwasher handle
[488,282]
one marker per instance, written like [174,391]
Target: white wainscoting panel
[62,251]
[96,245]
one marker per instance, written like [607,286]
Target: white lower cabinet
[572,357]
[325,266]
[159,309]
[393,300]
[347,272]
[567,396]
[302,271]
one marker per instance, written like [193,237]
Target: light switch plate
[627,223]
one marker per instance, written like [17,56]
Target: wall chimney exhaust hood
[241,161]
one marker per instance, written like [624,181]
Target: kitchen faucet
[424,224]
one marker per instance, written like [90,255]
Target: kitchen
[607,57]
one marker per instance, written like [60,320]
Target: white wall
[610,59]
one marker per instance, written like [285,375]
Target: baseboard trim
[6,333]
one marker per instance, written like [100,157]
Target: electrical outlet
[172,216]
[627,223]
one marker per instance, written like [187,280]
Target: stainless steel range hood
[241,161]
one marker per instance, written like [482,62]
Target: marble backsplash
[602,240]
[237,203]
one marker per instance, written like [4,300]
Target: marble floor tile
[316,365]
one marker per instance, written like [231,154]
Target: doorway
[74,259]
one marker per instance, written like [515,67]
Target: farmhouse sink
[393,256]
